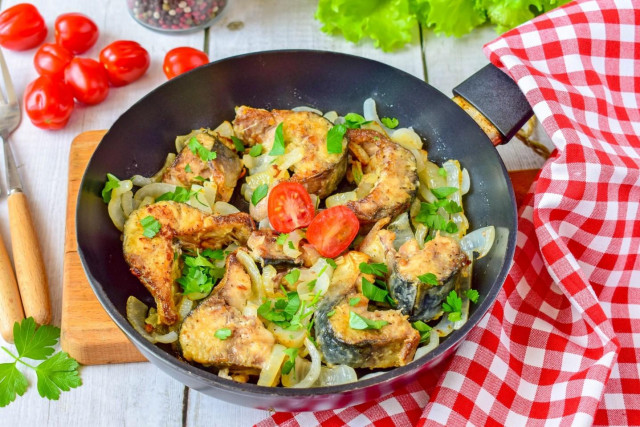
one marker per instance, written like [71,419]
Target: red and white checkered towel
[561,345]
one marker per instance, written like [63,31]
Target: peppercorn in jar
[175,15]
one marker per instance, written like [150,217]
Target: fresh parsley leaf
[334,139]
[354,301]
[283,310]
[360,323]
[331,313]
[12,383]
[214,254]
[199,178]
[390,122]
[312,284]
[377,269]
[331,262]
[472,294]
[278,142]
[112,182]
[32,343]
[442,172]
[223,333]
[259,193]
[187,168]
[291,363]
[150,226]
[256,150]
[197,148]
[424,329]
[373,292]
[451,227]
[237,143]
[282,237]
[429,279]
[443,192]
[429,215]
[450,206]
[293,276]
[291,245]
[59,373]
[453,305]
[181,195]
[199,274]
[355,120]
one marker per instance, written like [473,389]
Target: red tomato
[182,59]
[88,80]
[76,32]
[48,102]
[125,61]
[333,230]
[290,207]
[51,59]
[22,27]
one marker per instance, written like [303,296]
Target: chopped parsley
[237,143]
[334,139]
[360,323]
[217,254]
[355,120]
[223,333]
[354,301]
[331,262]
[443,192]
[259,193]
[199,274]
[291,363]
[282,238]
[430,217]
[377,293]
[429,279]
[197,148]
[472,294]
[331,313]
[377,269]
[293,276]
[256,150]
[187,168]
[453,306]
[291,245]
[180,194]
[150,226]
[424,329]
[112,182]
[199,178]
[282,310]
[442,172]
[390,122]
[278,142]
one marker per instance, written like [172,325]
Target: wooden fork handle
[10,304]
[30,273]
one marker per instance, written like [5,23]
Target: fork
[27,259]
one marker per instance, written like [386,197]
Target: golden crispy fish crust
[154,261]
[249,344]
[318,171]
[396,180]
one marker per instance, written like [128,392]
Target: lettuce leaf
[454,17]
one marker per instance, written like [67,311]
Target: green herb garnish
[355,121]
[331,262]
[259,193]
[429,279]
[150,226]
[360,323]
[292,277]
[112,182]
[354,301]
[453,306]
[291,245]
[58,372]
[472,294]
[282,238]
[237,143]
[331,313]
[187,168]
[197,148]
[390,122]
[291,363]
[443,192]
[442,172]
[429,215]
[256,150]
[180,194]
[223,333]
[334,139]
[278,142]
[199,274]
[377,269]
[282,311]
[424,329]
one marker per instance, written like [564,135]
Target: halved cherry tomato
[76,32]
[22,27]
[88,80]
[51,59]
[182,59]
[290,207]
[125,61]
[333,230]
[48,102]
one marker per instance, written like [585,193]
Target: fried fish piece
[154,260]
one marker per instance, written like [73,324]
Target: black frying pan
[139,140]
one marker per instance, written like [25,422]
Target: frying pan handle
[495,102]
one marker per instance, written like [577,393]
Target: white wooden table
[139,394]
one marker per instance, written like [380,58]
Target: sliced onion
[256,279]
[141,181]
[295,375]
[291,339]
[465,185]
[224,373]
[402,228]
[225,129]
[331,116]
[294,237]
[116,213]
[421,234]
[154,190]
[454,179]
[434,340]
[340,199]
[322,281]
[198,199]
[127,203]
[314,370]
[432,177]
[371,375]
[480,241]
[250,310]
[407,138]
[145,202]
[210,192]
[224,208]
[270,374]
[264,224]
[337,375]
[136,315]
[185,307]
[269,274]
[309,109]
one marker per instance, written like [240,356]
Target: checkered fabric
[561,345]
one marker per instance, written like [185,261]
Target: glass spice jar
[175,15]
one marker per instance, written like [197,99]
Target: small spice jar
[175,15]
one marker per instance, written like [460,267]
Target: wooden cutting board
[88,334]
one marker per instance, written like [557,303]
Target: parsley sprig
[291,363]
[199,274]
[429,279]
[360,323]
[424,329]
[58,372]
[453,306]
[181,195]
[197,148]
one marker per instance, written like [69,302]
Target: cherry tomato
[76,32]
[290,207]
[125,61]
[88,80]
[333,230]
[22,27]
[51,59]
[182,59]
[48,102]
